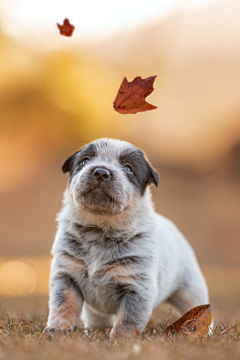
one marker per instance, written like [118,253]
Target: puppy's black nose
[101,174]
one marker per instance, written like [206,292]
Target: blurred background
[56,94]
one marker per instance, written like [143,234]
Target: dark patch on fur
[133,315]
[91,230]
[129,260]
[73,163]
[61,283]
[122,289]
[143,174]
[136,237]
[89,233]
[108,237]
[74,246]
[68,164]
[78,226]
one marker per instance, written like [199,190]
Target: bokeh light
[17,279]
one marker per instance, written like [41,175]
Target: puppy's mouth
[98,191]
[97,199]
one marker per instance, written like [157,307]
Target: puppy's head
[108,176]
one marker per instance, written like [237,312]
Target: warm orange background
[52,102]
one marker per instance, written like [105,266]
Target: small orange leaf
[137,332]
[197,319]
[131,96]
[66,29]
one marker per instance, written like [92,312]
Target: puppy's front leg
[133,313]
[65,303]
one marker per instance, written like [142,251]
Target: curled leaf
[131,96]
[197,319]
[66,29]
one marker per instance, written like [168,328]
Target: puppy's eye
[127,168]
[85,160]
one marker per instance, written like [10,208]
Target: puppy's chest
[103,266]
[98,268]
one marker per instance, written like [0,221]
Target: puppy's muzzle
[101,174]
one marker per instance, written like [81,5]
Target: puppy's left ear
[153,176]
[68,164]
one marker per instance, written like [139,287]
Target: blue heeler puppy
[114,258]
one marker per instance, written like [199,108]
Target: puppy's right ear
[68,164]
[154,178]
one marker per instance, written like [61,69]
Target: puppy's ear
[153,176]
[68,164]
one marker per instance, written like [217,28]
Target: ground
[22,338]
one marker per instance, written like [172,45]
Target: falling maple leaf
[197,319]
[131,96]
[66,29]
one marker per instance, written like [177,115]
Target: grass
[24,339]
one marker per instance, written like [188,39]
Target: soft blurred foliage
[54,101]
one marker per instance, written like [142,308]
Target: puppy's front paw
[60,325]
[48,331]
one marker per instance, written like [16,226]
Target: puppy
[114,258]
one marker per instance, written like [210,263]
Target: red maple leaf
[66,29]
[131,96]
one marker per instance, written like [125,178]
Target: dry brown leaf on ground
[66,29]
[131,96]
[198,319]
